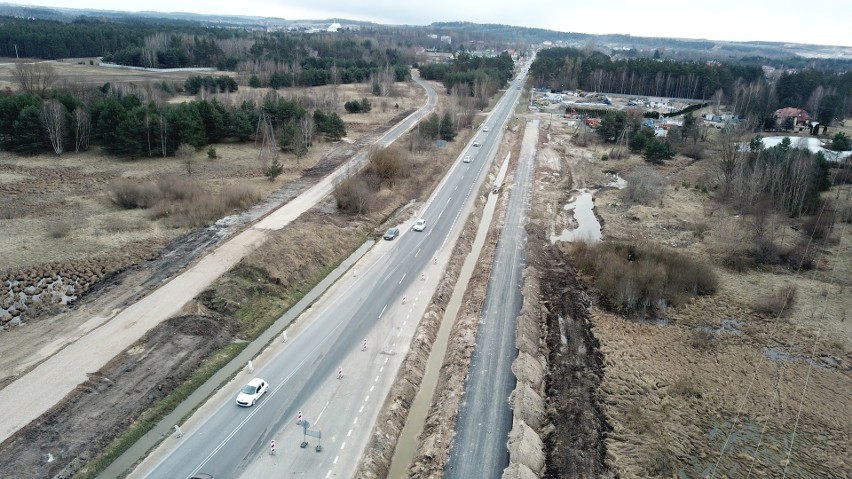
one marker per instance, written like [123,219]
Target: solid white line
[383,311]
[321,412]
[403,277]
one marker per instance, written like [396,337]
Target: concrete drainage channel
[407,442]
[121,466]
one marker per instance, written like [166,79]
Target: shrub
[60,229]
[703,338]
[819,225]
[776,303]
[687,387]
[637,278]
[644,186]
[353,196]
[694,151]
[129,193]
[177,188]
[274,170]
[388,164]
[211,153]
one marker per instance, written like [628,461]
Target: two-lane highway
[382,303]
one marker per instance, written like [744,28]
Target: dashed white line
[361,410]
[349,433]
[328,474]
[367,398]
[372,387]
[418,252]
[383,311]
[403,323]
[403,277]
[335,459]
[386,360]
[377,378]
[343,445]
[355,421]
[381,369]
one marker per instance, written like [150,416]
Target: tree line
[124,124]
[276,59]
[473,76]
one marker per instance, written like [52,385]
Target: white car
[419,225]
[466,159]
[252,392]
[475,143]
[485,128]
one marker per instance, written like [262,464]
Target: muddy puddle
[582,209]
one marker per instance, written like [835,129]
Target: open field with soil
[717,385]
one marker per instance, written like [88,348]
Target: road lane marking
[381,369]
[403,277]
[328,474]
[372,387]
[386,360]
[342,445]
[377,378]
[418,252]
[367,398]
[383,311]
[321,413]
[349,433]
[336,458]
[361,410]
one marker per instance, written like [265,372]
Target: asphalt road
[230,441]
[485,418]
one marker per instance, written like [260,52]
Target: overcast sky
[824,22]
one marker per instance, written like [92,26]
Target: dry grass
[201,208]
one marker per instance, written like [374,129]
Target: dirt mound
[27,293]
[528,406]
[526,448]
[65,438]
[518,471]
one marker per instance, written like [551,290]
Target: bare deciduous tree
[34,78]
[187,154]
[82,126]
[53,119]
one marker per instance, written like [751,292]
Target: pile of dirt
[65,438]
[526,448]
